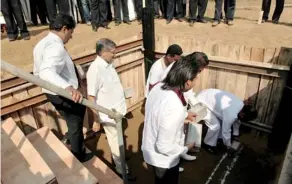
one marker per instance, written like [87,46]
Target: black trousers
[229,7]
[39,8]
[266,5]
[199,5]
[138,8]
[63,6]
[163,176]
[171,7]
[73,113]
[117,10]
[99,12]
[11,10]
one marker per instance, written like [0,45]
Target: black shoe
[202,21]
[117,23]
[179,19]
[275,21]
[85,157]
[13,38]
[192,22]
[210,149]
[156,16]
[27,37]
[168,21]
[94,28]
[264,20]
[105,26]
[127,22]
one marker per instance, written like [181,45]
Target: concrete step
[20,161]
[66,167]
[101,171]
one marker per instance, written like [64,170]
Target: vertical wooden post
[148,35]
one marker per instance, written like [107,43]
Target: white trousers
[217,130]
[112,138]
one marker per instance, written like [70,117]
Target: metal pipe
[62,92]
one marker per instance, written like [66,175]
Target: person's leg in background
[86,12]
[170,10]
[18,15]
[230,11]
[266,5]
[42,12]
[156,9]
[179,13]
[103,12]
[94,14]
[117,11]
[33,11]
[163,175]
[278,11]
[12,30]
[138,6]
[193,6]
[125,9]
[202,6]
[109,13]
[163,8]
[51,9]
[218,11]
[63,6]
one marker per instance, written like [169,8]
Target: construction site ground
[253,164]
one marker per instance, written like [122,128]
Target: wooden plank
[221,73]
[27,118]
[285,56]
[230,83]
[23,104]
[11,83]
[7,100]
[40,114]
[269,55]
[66,167]
[55,120]
[21,163]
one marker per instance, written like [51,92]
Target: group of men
[53,64]
[169,93]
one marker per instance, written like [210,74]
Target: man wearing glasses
[104,88]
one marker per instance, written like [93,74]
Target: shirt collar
[103,62]
[55,37]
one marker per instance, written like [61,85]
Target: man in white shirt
[52,63]
[224,109]
[104,88]
[165,113]
[156,72]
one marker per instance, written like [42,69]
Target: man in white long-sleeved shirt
[52,63]
[165,113]
[104,88]
[156,72]
[224,109]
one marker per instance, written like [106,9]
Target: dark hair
[173,50]
[249,113]
[200,57]
[104,44]
[62,20]
[181,71]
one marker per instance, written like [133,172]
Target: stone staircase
[41,158]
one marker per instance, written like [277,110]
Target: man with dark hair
[165,113]
[99,13]
[118,5]
[156,72]
[199,5]
[229,7]
[105,88]
[224,109]
[11,10]
[266,5]
[53,64]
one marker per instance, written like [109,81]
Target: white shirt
[189,95]
[155,74]
[104,84]
[163,128]
[224,105]
[52,63]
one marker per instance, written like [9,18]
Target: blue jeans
[85,7]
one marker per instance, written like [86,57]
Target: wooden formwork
[257,74]
[29,108]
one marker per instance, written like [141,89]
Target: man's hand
[76,95]
[95,126]
[191,117]
[190,146]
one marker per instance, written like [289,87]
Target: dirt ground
[244,32]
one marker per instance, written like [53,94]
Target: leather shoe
[168,21]
[104,26]
[94,28]
[127,22]
[192,22]
[202,21]
[117,23]
[179,19]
